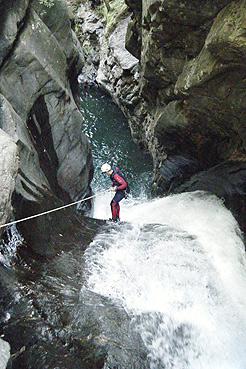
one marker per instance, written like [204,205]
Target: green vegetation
[111,17]
[48,3]
[110,10]
[118,9]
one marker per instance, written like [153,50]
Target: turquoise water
[110,138]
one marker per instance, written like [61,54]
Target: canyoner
[119,185]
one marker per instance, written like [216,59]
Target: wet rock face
[40,63]
[51,321]
[172,33]
[183,94]
[192,72]
[108,62]
[9,163]
[118,69]
[214,83]
[12,16]
[227,181]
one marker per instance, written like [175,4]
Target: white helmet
[105,168]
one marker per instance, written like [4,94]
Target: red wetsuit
[118,180]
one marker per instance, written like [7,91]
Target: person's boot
[113,220]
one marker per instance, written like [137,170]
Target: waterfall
[177,266]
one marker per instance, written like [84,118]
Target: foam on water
[8,247]
[179,270]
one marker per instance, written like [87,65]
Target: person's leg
[115,207]
[118,211]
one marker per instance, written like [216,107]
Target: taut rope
[51,211]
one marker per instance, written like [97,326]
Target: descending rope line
[52,210]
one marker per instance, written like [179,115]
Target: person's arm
[121,181]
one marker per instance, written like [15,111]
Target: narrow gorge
[175,72]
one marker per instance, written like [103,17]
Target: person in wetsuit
[119,185]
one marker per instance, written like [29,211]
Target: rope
[51,211]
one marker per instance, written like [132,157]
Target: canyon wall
[179,78]
[40,59]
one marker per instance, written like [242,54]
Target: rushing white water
[177,265]
[179,269]
[8,247]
